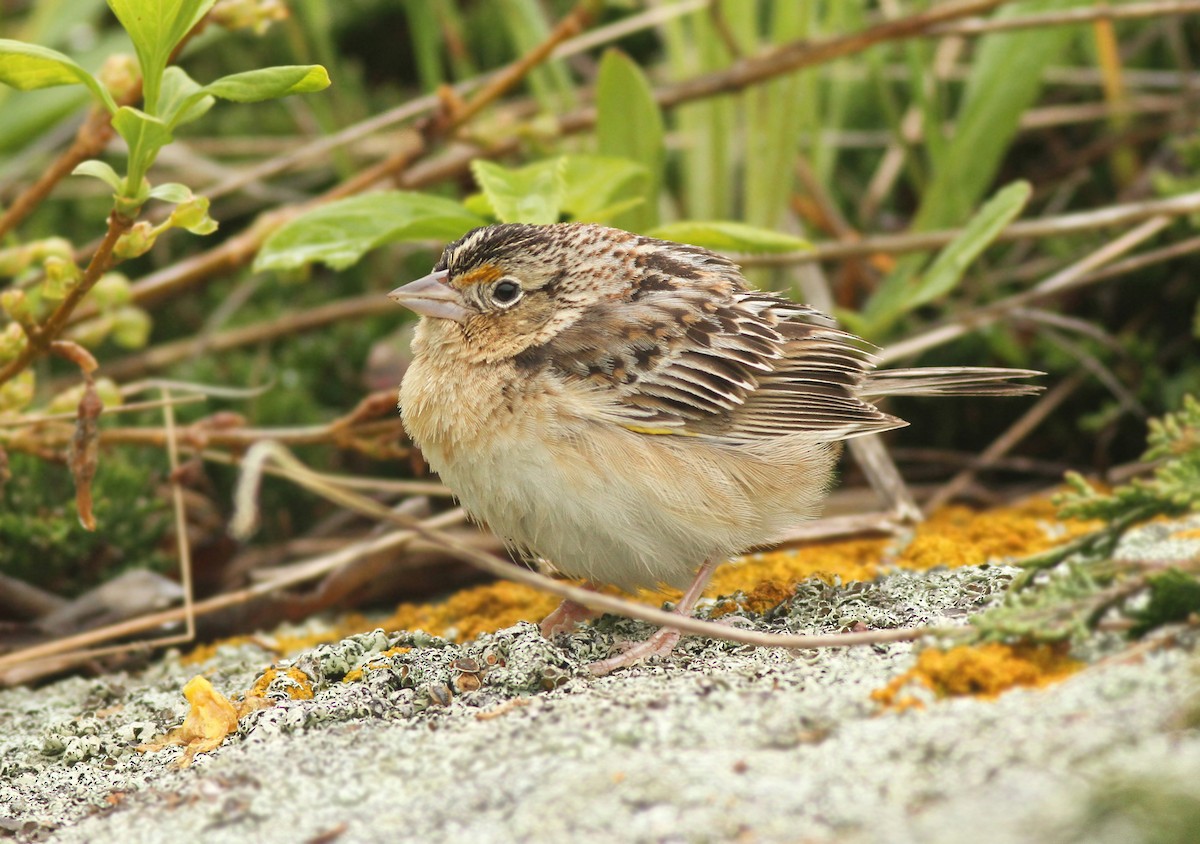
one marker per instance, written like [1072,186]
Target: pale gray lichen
[799,725]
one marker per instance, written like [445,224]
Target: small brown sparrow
[629,409]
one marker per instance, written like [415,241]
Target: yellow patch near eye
[481,275]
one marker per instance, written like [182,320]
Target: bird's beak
[432,297]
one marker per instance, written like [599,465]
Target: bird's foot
[660,644]
[565,618]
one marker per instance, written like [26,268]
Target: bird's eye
[506,291]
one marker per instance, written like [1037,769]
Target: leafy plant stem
[788,57]
[1099,542]
[91,139]
[40,338]
[241,249]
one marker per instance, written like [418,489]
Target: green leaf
[99,170]
[339,233]
[988,117]
[269,83]
[629,124]
[728,236]
[478,203]
[145,136]
[897,296]
[181,100]
[593,185]
[172,192]
[28,67]
[993,102]
[155,27]
[530,194]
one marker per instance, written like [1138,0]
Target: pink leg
[663,641]
[565,618]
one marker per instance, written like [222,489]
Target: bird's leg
[566,617]
[664,639]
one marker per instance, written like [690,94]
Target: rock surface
[508,739]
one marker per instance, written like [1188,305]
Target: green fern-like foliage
[1174,488]
[1067,592]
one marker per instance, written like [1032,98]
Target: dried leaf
[85,451]
[211,718]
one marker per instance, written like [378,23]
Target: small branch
[91,139]
[1099,12]
[900,244]
[183,543]
[285,324]
[41,338]
[800,54]
[1033,417]
[574,23]
[1071,277]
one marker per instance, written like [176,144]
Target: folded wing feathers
[754,366]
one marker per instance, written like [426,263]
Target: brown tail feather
[949,381]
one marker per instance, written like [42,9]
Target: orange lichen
[475,610]
[985,671]
[853,560]
[286,643]
[959,536]
[211,718]
[299,689]
[953,536]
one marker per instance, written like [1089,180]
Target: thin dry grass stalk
[1016,432]
[1073,276]
[901,244]
[1070,17]
[411,172]
[246,516]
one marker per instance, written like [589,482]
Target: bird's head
[507,288]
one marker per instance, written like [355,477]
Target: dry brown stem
[41,338]
[782,60]
[900,244]
[1069,17]
[91,139]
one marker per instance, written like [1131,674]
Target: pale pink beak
[432,297]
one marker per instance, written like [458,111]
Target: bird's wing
[721,361]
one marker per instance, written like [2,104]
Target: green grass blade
[630,125]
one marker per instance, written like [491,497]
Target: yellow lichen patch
[985,671]
[478,609]
[205,652]
[953,536]
[960,536]
[856,559]
[299,689]
[211,718]
[380,660]
[286,644]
